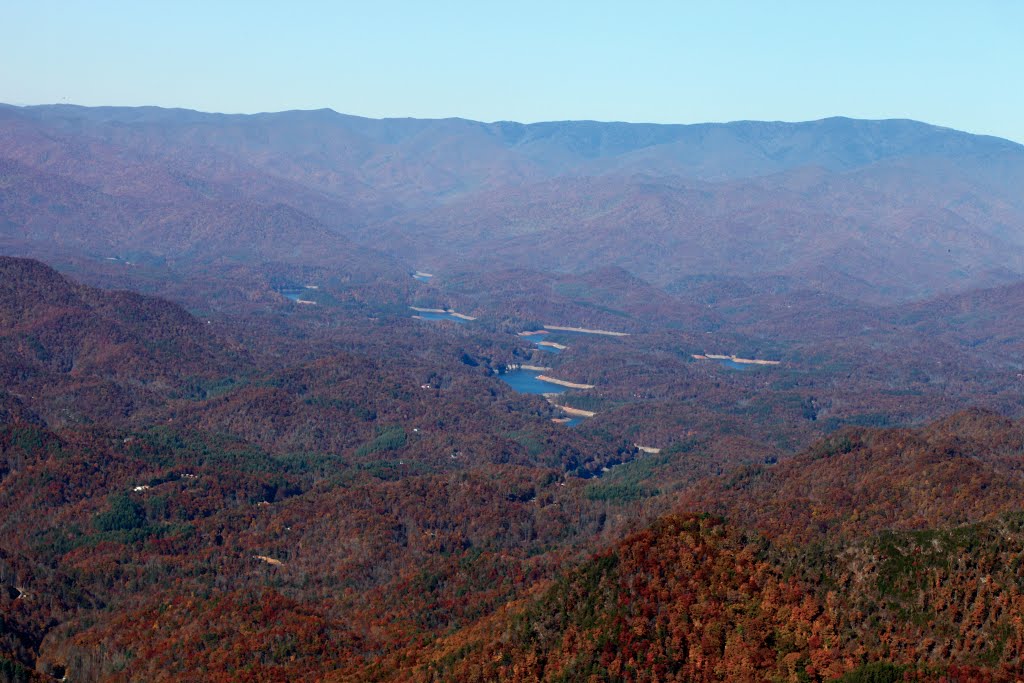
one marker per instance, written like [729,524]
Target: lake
[526,382]
[441,316]
[733,365]
[537,338]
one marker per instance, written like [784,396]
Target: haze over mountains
[881,211]
[779,433]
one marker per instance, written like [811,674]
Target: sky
[953,63]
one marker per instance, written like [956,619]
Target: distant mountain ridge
[707,151]
[876,210]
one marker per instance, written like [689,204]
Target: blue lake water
[526,382]
[549,349]
[293,294]
[733,365]
[441,316]
[537,338]
[422,278]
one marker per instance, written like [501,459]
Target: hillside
[963,469]
[694,599]
[318,467]
[874,210]
[831,583]
[877,234]
[72,353]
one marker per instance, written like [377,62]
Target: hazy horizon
[659,63]
[505,120]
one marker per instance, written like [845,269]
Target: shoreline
[553,345]
[734,359]
[578,412]
[446,311]
[585,330]
[564,383]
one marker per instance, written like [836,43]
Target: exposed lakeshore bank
[564,383]
[539,333]
[734,359]
[584,330]
[569,410]
[446,311]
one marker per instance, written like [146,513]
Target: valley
[617,432]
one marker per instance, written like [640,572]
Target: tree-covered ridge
[694,599]
[71,354]
[965,468]
[689,599]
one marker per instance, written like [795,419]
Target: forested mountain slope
[875,210]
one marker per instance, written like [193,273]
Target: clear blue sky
[959,64]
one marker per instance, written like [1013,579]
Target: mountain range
[307,396]
[879,211]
